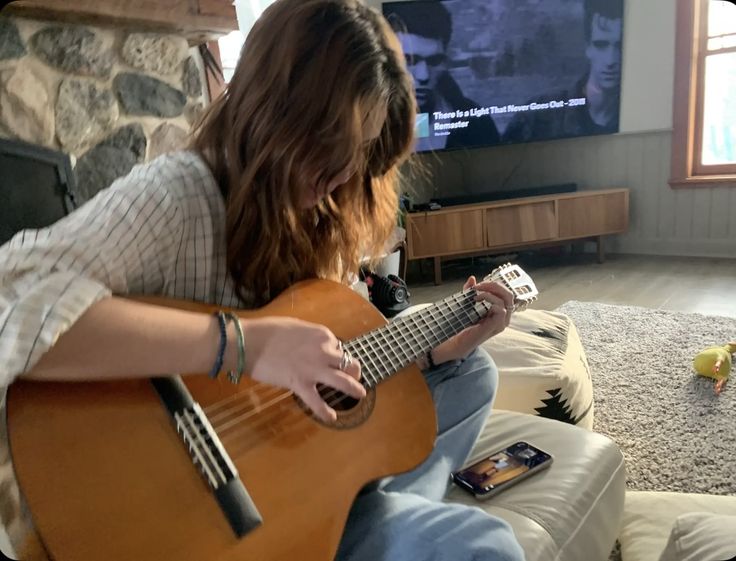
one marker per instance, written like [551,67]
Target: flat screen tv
[489,72]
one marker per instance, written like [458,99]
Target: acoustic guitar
[195,469]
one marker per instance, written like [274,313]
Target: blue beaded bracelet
[217,367]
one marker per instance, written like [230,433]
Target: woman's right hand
[298,355]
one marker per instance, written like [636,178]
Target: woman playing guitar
[292,174]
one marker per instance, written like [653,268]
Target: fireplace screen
[36,187]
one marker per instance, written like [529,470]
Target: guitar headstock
[517,281]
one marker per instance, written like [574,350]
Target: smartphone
[501,470]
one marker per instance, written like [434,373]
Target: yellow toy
[715,362]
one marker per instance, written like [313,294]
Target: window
[226,50]
[704,137]
[230,46]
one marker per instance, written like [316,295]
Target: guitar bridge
[204,446]
[208,455]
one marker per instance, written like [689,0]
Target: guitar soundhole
[351,412]
[337,400]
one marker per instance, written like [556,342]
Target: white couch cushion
[569,512]
[543,369]
[649,517]
[701,536]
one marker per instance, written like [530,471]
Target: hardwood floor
[672,283]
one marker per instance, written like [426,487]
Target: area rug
[675,433]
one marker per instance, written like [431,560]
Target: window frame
[215,86]
[688,104]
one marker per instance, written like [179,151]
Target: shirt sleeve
[122,241]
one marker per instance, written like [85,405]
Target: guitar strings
[332,397]
[244,397]
[210,409]
[294,416]
[279,398]
[252,398]
[266,420]
[291,417]
[295,408]
[259,407]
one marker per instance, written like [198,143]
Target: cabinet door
[521,224]
[594,215]
[445,233]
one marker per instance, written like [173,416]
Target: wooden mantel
[198,20]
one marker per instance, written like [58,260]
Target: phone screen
[502,468]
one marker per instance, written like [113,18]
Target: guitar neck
[385,351]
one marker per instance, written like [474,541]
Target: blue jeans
[404,518]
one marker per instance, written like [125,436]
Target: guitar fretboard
[386,350]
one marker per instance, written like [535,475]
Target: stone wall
[111,98]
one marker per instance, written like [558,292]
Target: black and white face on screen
[489,72]
[425,59]
[604,52]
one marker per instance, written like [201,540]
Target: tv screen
[36,185]
[490,72]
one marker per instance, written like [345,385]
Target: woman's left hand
[496,320]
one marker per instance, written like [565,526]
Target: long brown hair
[292,119]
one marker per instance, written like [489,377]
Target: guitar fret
[408,341]
[417,329]
[435,339]
[468,306]
[361,355]
[431,344]
[439,323]
[474,310]
[373,356]
[466,317]
[388,349]
[401,346]
[470,309]
[382,366]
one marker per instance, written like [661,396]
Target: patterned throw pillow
[542,368]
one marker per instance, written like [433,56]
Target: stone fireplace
[110,97]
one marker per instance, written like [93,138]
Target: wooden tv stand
[516,224]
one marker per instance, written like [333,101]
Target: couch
[573,510]
[569,512]
[577,509]
[656,521]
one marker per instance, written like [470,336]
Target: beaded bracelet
[235,375]
[221,348]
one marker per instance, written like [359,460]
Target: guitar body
[106,475]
